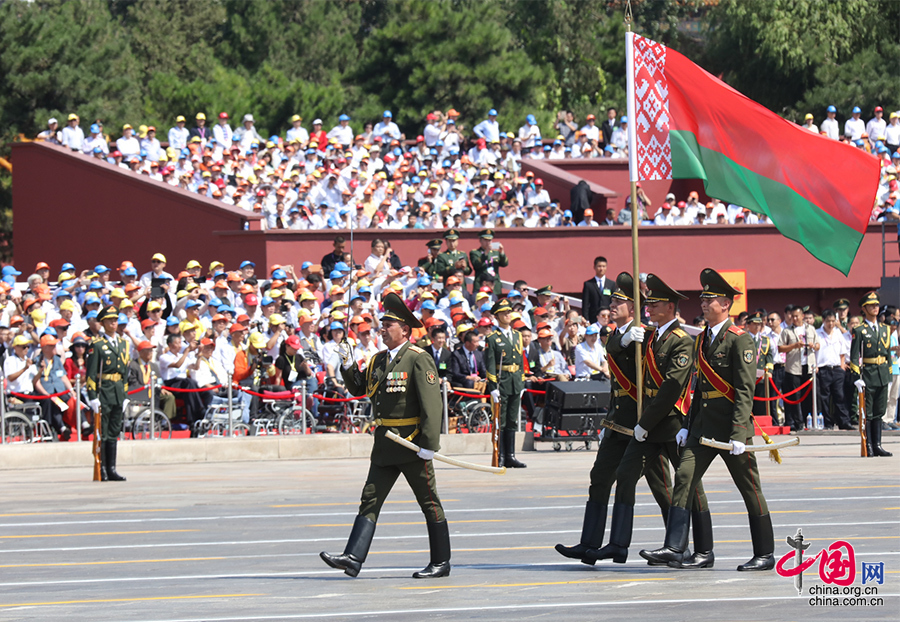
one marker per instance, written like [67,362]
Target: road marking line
[97,533]
[125,600]
[542,583]
[318,505]
[421,522]
[770,512]
[856,487]
[124,561]
[90,512]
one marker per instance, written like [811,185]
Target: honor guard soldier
[107,367]
[429,263]
[505,380]
[668,361]
[765,362]
[403,385]
[721,410]
[488,261]
[620,347]
[452,259]
[870,366]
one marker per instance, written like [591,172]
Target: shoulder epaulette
[736,330]
[416,349]
[679,332]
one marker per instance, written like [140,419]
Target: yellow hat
[186,326]
[200,115]
[125,304]
[275,319]
[117,292]
[274,293]
[153,306]
[22,340]
[73,116]
[258,340]
[38,315]
[158,257]
[193,263]
[67,305]
[307,295]
[65,276]
[295,118]
[181,294]
[216,264]
[180,119]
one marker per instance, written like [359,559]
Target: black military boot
[509,444]
[875,430]
[356,550]
[763,544]
[103,453]
[703,557]
[676,539]
[111,448]
[501,451]
[439,542]
[870,452]
[619,536]
[591,532]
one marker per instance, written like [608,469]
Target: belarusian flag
[687,124]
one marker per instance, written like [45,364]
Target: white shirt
[892,134]
[298,133]
[583,352]
[488,130]
[72,137]
[831,128]
[344,135]
[714,330]
[223,135]
[167,372]
[208,373]
[128,146]
[663,329]
[875,128]
[178,137]
[392,353]
[854,127]
[24,383]
[832,348]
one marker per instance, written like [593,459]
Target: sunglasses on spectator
[772,319]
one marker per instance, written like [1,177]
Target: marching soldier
[870,367]
[505,380]
[429,262]
[621,348]
[404,387]
[668,361]
[452,259]
[107,368]
[488,261]
[765,361]
[720,409]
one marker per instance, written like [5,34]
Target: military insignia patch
[748,356]
[430,377]
[682,360]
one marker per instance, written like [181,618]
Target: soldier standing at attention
[765,361]
[870,366]
[403,384]
[429,263]
[505,380]
[721,410]
[107,367]
[486,260]
[668,362]
[452,259]
[622,411]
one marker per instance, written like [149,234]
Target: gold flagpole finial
[628,15]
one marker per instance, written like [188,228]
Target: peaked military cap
[842,303]
[500,306]
[435,243]
[546,290]
[109,313]
[715,285]
[870,299]
[660,292]
[451,234]
[625,287]
[396,309]
[487,234]
[756,318]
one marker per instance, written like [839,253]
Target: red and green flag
[687,124]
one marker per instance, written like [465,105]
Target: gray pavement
[240,541]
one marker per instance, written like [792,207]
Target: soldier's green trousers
[509,411]
[696,460]
[420,476]
[876,402]
[647,458]
[603,473]
[111,420]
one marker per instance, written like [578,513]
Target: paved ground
[240,541]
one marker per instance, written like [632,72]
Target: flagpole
[633,175]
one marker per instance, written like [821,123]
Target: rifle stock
[863,441]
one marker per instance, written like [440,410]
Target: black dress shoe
[350,566]
[572,552]
[696,561]
[759,562]
[618,554]
[663,556]
[433,571]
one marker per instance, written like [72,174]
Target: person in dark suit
[595,294]
[438,350]
[328,261]
[467,361]
[608,126]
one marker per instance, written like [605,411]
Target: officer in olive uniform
[487,261]
[505,380]
[721,410]
[870,369]
[429,262]
[765,362]
[452,259]
[668,361]
[107,369]
[620,347]
[404,387]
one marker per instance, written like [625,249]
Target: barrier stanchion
[2,409]
[519,414]
[78,409]
[303,408]
[152,405]
[230,407]
[446,423]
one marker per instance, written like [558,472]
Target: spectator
[590,356]
[342,132]
[854,127]
[178,135]
[596,292]
[797,342]
[892,135]
[128,145]
[619,137]
[830,126]
[318,136]
[831,362]
[592,131]
[489,129]
[222,131]
[139,375]
[51,134]
[150,145]
[550,364]
[72,136]
[588,219]
[19,368]
[200,130]
[876,126]
[530,133]
[386,129]
[246,135]
[467,361]
[808,124]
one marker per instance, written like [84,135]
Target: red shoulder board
[736,330]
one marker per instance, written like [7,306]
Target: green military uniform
[429,263]
[107,370]
[721,410]
[765,364]
[505,371]
[488,262]
[870,361]
[622,411]
[406,399]
[849,390]
[446,261]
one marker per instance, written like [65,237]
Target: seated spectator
[139,375]
[51,379]
[590,356]
[467,360]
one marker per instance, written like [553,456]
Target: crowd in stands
[446,177]
[205,326]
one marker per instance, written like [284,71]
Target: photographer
[175,365]
[799,342]
[291,368]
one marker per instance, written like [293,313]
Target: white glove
[346,354]
[640,434]
[495,396]
[95,405]
[425,454]
[635,333]
[681,437]
[860,385]
[737,448]
[600,438]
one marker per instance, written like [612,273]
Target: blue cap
[568,150]
[310,151]
[547,147]
[10,280]
[95,129]
[101,269]
[343,211]
[129,271]
[423,281]
[143,153]
[429,305]
[343,117]
[342,266]
[246,263]
[123,319]
[193,303]
[387,113]
[415,180]
[439,143]
[172,320]
[530,119]
[67,267]
[365,290]
[226,308]
[10,270]
[624,119]
[492,112]
[432,152]
[49,331]
[567,214]
[336,326]
[336,274]
[279,274]
[96,285]
[514,294]
[592,330]
[62,293]
[608,149]
[454,150]
[398,152]
[486,307]
[92,314]
[883,149]
[266,300]
[215,302]
[98,150]
[91,299]
[831,109]
[357,297]
[856,109]
[305,265]
[896,155]
[858,142]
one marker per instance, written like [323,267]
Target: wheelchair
[137,418]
